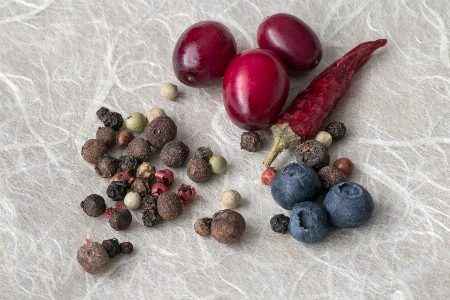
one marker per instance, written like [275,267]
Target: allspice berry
[106,135]
[92,257]
[139,148]
[174,154]
[92,150]
[124,138]
[251,141]
[227,226]
[160,131]
[120,220]
[146,170]
[313,154]
[198,170]
[141,186]
[94,205]
[169,205]
[169,91]
[203,226]
[330,176]
[336,129]
[107,166]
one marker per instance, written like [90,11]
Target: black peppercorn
[117,190]
[279,223]
[313,154]
[92,150]
[160,130]
[204,153]
[113,120]
[203,226]
[336,129]
[174,154]
[106,166]
[330,176]
[112,247]
[141,186]
[128,164]
[139,148]
[94,205]
[101,113]
[251,141]
[106,135]
[120,220]
[199,170]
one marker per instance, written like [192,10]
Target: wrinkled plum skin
[202,53]
[255,88]
[292,40]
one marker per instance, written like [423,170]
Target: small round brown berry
[120,220]
[345,165]
[106,166]
[94,205]
[141,186]
[174,154]
[330,176]
[169,205]
[336,129]
[124,138]
[203,153]
[146,170]
[203,226]
[251,141]
[313,154]
[227,226]
[106,135]
[139,148]
[92,150]
[92,257]
[199,170]
[160,131]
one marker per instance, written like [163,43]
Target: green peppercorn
[218,164]
[136,122]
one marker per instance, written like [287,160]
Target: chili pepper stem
[284,138]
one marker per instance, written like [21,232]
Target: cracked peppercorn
[128,164]
[330,176]
[120,220]
[203,226]
[174,154]
[113,120]
[336,129]
[141,186]
[251,141]
[199,170]
[313,154]
[117,190]
[114,248]
[279,223]
[139,148]
[94,205]
[106,166]
[92,150]
[106,135]
[159,131]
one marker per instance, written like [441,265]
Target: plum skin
[202,53]
[292,40]
[255,89]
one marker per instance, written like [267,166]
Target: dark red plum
[255,88]
[202,54]
[292,40]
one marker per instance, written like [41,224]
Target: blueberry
[295,183]
[309,222]
[348,205]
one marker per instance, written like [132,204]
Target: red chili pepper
[307,112]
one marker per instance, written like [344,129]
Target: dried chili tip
[186,193]
[165,177]
[126,247]
[157,189]
[110,210]
[88,241]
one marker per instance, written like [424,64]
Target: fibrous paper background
[60,61]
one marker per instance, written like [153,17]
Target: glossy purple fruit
[292,40]
[255,88]
[202,53]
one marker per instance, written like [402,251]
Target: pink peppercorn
[165,177]
[157,189]
[186,193]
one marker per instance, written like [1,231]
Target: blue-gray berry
[348,205]
[295,183]
[309,222]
